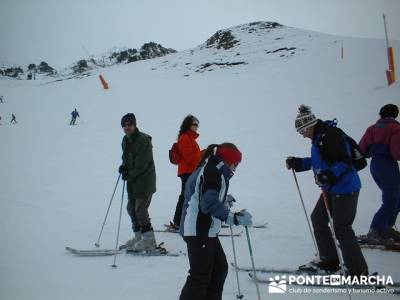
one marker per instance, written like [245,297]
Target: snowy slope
[56,180]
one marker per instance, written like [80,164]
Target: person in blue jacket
[74,115]
[205,207]
[331,163]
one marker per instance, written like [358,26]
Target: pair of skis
[171,229]
[363,241]
[255,225]
[159,251]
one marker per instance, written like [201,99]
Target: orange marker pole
[390,73]
[391,63]
[389,76]
[103,82]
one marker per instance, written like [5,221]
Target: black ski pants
[343,211]
[181,200]
[208,269]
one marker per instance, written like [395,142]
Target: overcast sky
[57,30]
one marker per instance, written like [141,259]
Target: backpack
[174,155]
[358,160]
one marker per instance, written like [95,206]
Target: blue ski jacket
[330,151]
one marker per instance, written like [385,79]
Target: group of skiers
[201,208]
[13,119]
[74,115]
[331,161]
[204,202]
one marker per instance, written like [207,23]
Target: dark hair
[187,122]
[128,118]
[210,151]
[389,111]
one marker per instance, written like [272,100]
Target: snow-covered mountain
[245,85]
[83,67]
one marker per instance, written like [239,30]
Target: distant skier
[1,99]
[205,208]
[190,154]
[333,171]
[139,172]
[13,119]
[74,115]
[381,141]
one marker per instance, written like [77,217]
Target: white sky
[56,30]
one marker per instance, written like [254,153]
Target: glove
[293,163]
[325,177]
[229,200]
[123,170]
[242,217]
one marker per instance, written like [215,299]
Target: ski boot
[379,237]
[147,243]
[394,234]
[130,243]
[318,266]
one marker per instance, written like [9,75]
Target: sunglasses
[303,131]
[128,125]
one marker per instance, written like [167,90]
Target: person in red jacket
[381,141]
[190,156]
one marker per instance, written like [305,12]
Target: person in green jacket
[139,172]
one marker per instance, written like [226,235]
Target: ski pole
[239,294]
[338,251]
[97,244]
[119,226]
[252,262]
[305,212]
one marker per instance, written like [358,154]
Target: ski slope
[56,180]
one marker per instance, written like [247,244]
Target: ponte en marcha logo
[330,284]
